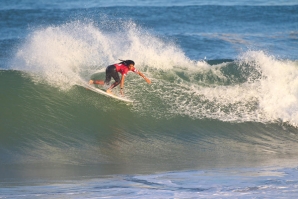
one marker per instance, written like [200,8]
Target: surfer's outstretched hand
[147,80]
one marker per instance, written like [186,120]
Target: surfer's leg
[116,77]
[109,73]
[112,72]
[114,85]
[100,82]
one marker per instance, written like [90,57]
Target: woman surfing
[112,71]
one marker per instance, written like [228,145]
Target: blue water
[220,119]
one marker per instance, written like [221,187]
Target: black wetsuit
[112,72]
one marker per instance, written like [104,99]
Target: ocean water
[220,119]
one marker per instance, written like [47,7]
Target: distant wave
[55,4]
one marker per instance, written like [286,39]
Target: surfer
[112,71]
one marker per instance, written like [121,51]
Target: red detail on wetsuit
[123,69]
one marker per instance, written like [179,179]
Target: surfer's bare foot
[91,81]
[109,91]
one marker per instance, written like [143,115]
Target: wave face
[255,87]
[195,114]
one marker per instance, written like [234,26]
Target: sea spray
[63,54]
[60,54]
[278,87]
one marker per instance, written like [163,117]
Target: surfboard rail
[97,90]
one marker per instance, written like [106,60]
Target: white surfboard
[97,90]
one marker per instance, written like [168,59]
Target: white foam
[75,50]
[270,93]
[278,88]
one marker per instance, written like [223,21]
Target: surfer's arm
[146,79]
[122,84]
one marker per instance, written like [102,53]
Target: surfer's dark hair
[127,62]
